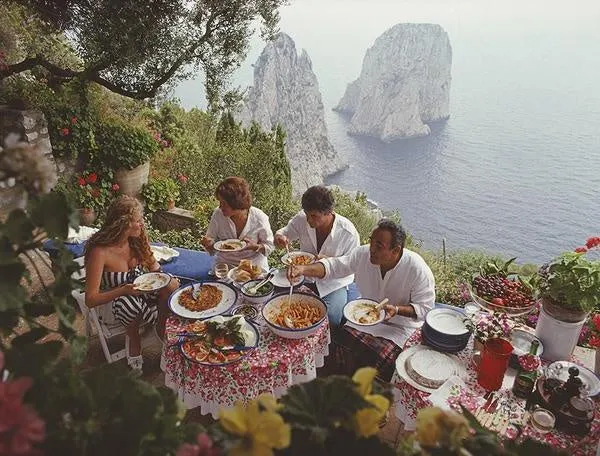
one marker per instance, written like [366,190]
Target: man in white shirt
[325,234]
[383,269]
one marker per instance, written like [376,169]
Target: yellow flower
[364,377]
[436,427]
[367,419]
[261,430]
[269,402]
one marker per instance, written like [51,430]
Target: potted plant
[127,150]
[486,326]
[569,289]
[160,193]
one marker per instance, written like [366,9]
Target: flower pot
[561,313]
[87,216]
[170,204]
[559,337]
[131,181]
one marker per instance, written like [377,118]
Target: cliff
[286,91]
[404,84]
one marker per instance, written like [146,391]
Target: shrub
[123,146]
[159,192]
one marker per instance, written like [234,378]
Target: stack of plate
[444,329]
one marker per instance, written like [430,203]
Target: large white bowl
[272,306]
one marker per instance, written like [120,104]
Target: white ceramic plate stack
[444,330]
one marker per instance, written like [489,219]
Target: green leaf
[29,337]
[18,227]
[79,348]
[53,213]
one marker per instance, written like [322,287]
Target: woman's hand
[130,290]
[281,241]
[390,311]
[207,243]
[252,246]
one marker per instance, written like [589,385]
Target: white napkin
[163,253]
[80,235]
[396,329]
[450,388]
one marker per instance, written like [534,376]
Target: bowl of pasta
[294,317]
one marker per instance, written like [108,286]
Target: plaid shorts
[353,349]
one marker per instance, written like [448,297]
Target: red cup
[494,362]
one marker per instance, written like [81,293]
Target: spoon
[253,290]
[375,307]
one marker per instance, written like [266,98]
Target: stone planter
[131,181]
[12,198]
[558,329]
[87,216]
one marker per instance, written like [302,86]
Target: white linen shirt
[410,282]
[257,229]
[342,239]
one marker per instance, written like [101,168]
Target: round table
[274,366]
[409,400]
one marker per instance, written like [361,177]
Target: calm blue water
[516,169]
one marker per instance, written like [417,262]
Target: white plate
[229,298]
[163,254]
[586,375]
[521,342]
[231,276]
[287,258]
[236,243]
[152,281]
[355,308]
[446,321]
[280,279]
[401,369]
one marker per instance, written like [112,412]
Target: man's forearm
[314,270]
[406,311]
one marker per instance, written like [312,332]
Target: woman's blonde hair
[121,212]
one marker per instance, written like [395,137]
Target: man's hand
[281,241]
[251,245]
[294,271]
[390,311]
[207,243]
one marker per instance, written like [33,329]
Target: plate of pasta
[229,245]
[298,258]
[294,317]
[219,340]
[203,300]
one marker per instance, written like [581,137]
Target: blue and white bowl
[258,298]
[272,308]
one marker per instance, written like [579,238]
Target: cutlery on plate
[374,307]
[196,290]
[253,290]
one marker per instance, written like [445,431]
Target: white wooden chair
[100,319]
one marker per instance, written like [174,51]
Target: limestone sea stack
[404,84]
[286,91]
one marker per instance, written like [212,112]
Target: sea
[515,170]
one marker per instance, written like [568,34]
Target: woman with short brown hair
[236,218]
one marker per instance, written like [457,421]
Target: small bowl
[259,298]
[271,308]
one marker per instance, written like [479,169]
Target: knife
[492,407]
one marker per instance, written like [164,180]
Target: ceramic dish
[514,311]
[228,299]
[259,298]
[521,342]
[447,322]
[163,254]
[231,275]
[460,370]
[280,279]
[229,245]
[222,358]
[298,258]
[152,281]
[447,347]
[362,310]
[272,309]
[560,369]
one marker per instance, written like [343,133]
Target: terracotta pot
[170,205]
[87,216]
[131,181]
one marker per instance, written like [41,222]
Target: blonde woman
[114,256]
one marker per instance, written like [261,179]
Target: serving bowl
[258,298]
[277,303]
[514,311]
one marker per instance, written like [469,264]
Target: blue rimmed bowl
[276,305]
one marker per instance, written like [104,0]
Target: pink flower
[64,132]
[115,187]
[20,426]
[581,250]
[529,362]
[204,447]
[73,120]
[182,178]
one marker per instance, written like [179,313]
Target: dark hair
[236,192]
[396,231]
[318,198]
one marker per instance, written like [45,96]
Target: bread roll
[242,276]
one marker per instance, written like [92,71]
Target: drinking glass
[221,270]
[494,362]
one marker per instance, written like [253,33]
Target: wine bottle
[525,380]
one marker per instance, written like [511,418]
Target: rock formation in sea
[403,85]
[286,91]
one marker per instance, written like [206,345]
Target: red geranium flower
[81,181]
[115,187]
[73,120]
[64,132]
[594,341]
[92,178]
[182,178]
[581,250]
[95,193]
[596,321]
[593,242]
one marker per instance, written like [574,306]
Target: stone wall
[32,128]
[174,219]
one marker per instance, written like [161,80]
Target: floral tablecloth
[274,366]
[409,400]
